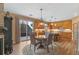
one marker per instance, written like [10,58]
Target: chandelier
[41,14]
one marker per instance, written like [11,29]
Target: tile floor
[17,49]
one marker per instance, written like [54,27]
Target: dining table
[41,39]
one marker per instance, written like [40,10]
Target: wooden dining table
[41,39]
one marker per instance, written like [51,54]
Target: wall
[1,13]
[1,7]
[75,28]
[16,30]
[75,20]
[1,19]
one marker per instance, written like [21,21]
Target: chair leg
[30,46]
[34,48]
[47,49]
[52,48]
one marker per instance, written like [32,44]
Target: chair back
[50,38]
[32,38]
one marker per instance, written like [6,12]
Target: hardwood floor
[65,48]
[60,48]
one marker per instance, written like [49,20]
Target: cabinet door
[8,32]
[1,46]
[8,35]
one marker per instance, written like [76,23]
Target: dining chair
[48,41]
[33,41]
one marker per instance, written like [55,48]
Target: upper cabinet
[67,24]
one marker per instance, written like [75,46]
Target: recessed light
[55,18]
[30,15]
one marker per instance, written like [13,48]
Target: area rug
[30,51]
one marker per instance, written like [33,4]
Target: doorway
[25,27]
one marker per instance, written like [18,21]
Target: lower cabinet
[1,46]
[8,48]
[5,47]
[8,44]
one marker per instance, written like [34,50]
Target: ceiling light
[55,24]
[52,24]
[41,23]
[41,13]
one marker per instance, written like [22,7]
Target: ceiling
[51,11]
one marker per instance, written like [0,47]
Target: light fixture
[45,25]
[30,14]
[55,24]
[41,13]
[36,30]
[52,24]
[41,23]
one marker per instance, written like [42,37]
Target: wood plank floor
[61,48]
[65,48]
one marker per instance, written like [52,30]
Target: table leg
[41,45]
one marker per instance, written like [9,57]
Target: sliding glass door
[26,27]
[29,28]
